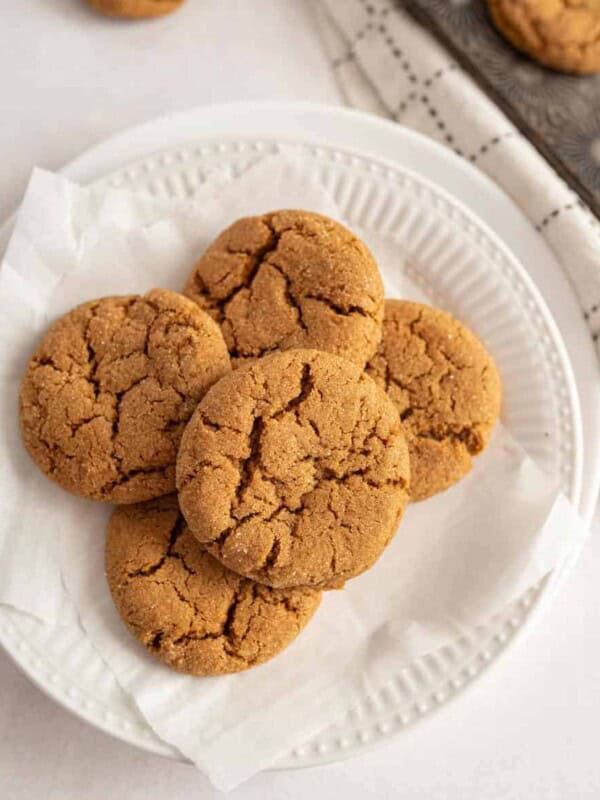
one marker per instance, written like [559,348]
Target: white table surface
[68,79]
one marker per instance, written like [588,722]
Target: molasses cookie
[293,470]
[291,279]
[445,386]
[108,391]
[135,9]
[562,34]
[184,606]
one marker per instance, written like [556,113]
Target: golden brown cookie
[562,34]
[445,386]
[109,389]
[184,606]
[135,9]
[293,470]
[291,279]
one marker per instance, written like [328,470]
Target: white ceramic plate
[461,266]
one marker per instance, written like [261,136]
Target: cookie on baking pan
[293,470]
[109,389]
[291,279]
[184,606]
[445,386]
[561,34]
[135,9]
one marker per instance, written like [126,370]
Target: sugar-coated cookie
[135,9]
[293,470]
[291,279]
[184,606]
[562,34]
[445,386]
[110,388]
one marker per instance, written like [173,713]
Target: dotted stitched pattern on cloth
[187,608]
[293,470]
[445,387]
[110,388]
[291,279]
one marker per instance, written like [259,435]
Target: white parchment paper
[457,558]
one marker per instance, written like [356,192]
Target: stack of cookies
[261,433]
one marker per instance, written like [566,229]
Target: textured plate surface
[455,261]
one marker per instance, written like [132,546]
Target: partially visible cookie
[445,386]
[185,607]
[291,279]
[109,389]
[562,34]
[293,470]
[135,9]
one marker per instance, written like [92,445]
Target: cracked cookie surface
[184,606]
[562,34]
[445,386]
[109,389]
[135,9]
[291,279]
[293,470]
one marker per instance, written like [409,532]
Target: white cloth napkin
[388,64]
[456,560]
